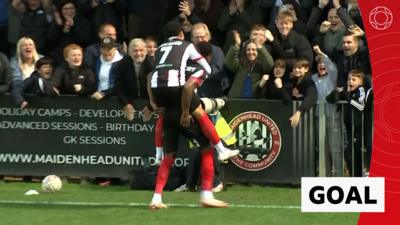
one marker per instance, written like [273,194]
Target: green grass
[250,205]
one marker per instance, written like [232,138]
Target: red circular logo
[258,139]
[380,18]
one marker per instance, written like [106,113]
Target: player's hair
[204,48]
[172,29]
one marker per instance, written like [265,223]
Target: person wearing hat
[35,83]
[92,52]
[104,68]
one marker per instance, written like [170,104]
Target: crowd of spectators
[260,48]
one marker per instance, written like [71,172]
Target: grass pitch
[95,205]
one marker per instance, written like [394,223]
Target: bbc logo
[342,194]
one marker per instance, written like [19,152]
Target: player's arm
[198,58]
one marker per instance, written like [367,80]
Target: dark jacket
[290,48]
[308,92]
[127,86]
[5,74]
[35,25]
[80,34]
[359,60]
[270,91]
[65,78]
[29,86]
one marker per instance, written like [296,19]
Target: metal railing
[341,140]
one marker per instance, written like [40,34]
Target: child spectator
[35,84]
[355,95]
[303,88]
[325,81]
[275,86]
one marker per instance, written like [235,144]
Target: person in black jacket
[72,77]
[35,84]
[303,88]
[131,76]
[5,74]
[287,43]
[68,27]
[354,122]
[275,86]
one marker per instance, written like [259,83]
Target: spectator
[68,27]
[207,12]
[4,26]
[92,52]
[107,11]
[131,76]
[352,57]
[35,84]
[23,64]
[5,74]
[14,25]
[212,86]
[275,86]
[305,26]
[303,89]
[151,45]
[325,81]
[287,43]
[239,15]
[36,17]
[355,95]
[248,67]
[333,29]
[72,77]
[104,68]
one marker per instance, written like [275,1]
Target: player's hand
[295,119]
[129,111]
[185,120]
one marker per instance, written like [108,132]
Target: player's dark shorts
[170,98]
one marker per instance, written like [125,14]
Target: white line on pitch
[140,204]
